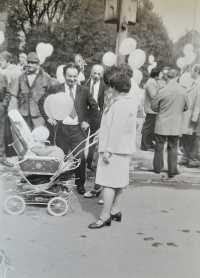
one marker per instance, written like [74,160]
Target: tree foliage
[77,26]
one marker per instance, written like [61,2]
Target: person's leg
[94,126]
[172,154]
[76,137]
[148,132]
[186,149]
[117,201]
[194,158]
[108,197]
[63,141]
[158,161]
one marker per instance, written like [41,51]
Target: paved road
[159,236]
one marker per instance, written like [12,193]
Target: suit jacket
[117,131]
[83,99]
[100,100]
[196,112]
[150,92]
[170,102]
[28,96]
[188,125]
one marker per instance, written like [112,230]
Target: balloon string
[88,79]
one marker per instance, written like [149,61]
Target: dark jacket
[83,99]
[28,96]
[100,100]
[4,92]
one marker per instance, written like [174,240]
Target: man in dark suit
[73,129]
[97,89]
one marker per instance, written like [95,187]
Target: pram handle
[66,157]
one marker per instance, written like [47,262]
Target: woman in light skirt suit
[116,143]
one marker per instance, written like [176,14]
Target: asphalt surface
[159,235]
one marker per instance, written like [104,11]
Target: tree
[77,26]
[152,37]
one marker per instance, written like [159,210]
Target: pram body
[40,182]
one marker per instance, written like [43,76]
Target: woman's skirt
[116,173]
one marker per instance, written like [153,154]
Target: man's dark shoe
[183,163]
[6,163]
[80,189]
[89,166]
[173,175]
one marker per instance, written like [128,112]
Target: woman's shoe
[98,226]
[93,193]
[117,216]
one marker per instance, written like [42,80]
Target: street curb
[146,175]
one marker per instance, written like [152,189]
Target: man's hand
[52,122]
[106,156]
[85,125]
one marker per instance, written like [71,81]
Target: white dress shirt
[68,120]
[96,89]
[31,76]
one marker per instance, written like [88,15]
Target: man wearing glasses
[29,88]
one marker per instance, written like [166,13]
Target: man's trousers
[172,156]
[148,132]
[69,137]
[188,142]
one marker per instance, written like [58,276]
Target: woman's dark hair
[154,73]
[70,66]
[125,68]
[108,74]
[121,82]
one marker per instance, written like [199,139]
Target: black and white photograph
[99,138]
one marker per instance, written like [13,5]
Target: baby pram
[40,183]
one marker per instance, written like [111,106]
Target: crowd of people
[106,107]
[172,115]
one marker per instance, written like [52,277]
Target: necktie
[92,90]
[73,114]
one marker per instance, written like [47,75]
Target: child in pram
[39,146]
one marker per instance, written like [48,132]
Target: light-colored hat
[33,57]
[40,133]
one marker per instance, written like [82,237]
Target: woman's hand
[106,157]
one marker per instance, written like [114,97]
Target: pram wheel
[57,206]
[14,205]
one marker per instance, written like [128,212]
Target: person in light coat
[170,102]
[189,123]
[116,143]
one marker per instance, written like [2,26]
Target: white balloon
[59,74]
[151,59]
[2,37]
[137,59]
[190,58]
[40,48]
[49,49]
[109,59]
[81,77]
[186,80]
[137,76]
[41,57]
[150,69]
[181,63]
[127,46]
[188,48]
[154,65]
